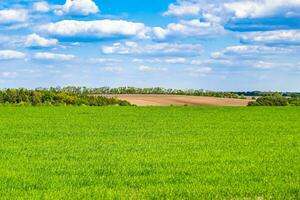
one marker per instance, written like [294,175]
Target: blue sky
[230,45]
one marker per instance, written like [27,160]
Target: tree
[270,101]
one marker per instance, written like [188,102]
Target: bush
[156,90]
[294,101]
[270,101]
[22,97]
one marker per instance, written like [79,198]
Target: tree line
[154,90]
[270,93]
[53,96]
[276,100]
[90,96]
[160,90]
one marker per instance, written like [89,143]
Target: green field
[149,153]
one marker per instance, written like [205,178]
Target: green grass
[149,153]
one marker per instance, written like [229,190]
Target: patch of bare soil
[179,100]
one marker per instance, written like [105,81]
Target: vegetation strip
[149,153]
[40,97]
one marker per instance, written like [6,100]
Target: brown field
[179,100]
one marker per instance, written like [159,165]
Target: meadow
[149,153]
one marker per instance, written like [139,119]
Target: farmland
[149,153]
[178,100]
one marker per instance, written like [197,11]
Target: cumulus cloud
[240,15]
[172,60]
[102,60]
[251,56]
[279,37]
[98,29]
[121,48]
[185,28]
[198,71]
[237,8]
[263,8]
[113,69]
[156,48]
[53,56]
[267,65]
[8,74]
[71,7]
[13,16]
[77,7]
[10,42]
[41,6]
[264,65]
[245,9]
[184,9]
[248,51]
[175,60]
[11,55]
[35,40]
[209,10]
[144,68]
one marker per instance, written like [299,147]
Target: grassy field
[149,153]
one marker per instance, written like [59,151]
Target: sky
[229,45]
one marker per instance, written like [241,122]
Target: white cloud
[41,6]
[113,69]
[119,28]
[120,48]
[263,65]
[10,42]
[224,11]
[71,7]
[251,56]
[144,68]
[8,74]
[243,9]
[95,29]
[173,60]
[198,71]
[12,16]
[211,11]
[10,54]
[182,60]
[157,48]
[184,9]
[77,7]
[196,62]
[35,40]
[273,37]
[102,60]
[272,65]
[53,56]
[262,8]
[184,28]
[248,51]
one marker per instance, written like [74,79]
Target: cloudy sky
[210,44]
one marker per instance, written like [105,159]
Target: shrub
[294,101]
[270,101]
[22,97]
